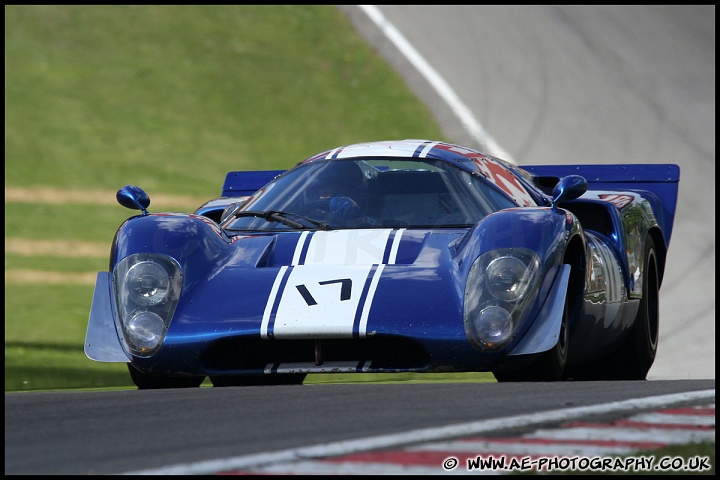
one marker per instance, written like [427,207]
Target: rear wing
[244,184]
[656,182]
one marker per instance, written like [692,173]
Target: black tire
[250,380]
[144,381]
[550,366]
[634,359]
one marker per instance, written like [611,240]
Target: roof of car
[495,170]
[400,148]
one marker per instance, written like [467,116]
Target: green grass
[86,223]
[173,97]
[170,98]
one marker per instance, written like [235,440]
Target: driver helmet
[337,179]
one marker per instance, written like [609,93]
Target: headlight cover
[501,286]
[147,289]
[148,283]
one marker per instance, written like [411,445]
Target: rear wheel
[147,382]
[551,364]
[634,359]
[249,380]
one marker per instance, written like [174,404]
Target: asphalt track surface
[582,85]
[214,430]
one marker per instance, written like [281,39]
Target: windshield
[367,193]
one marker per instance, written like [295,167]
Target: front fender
[542,230]
[103,340]
[544,332]
[195,241]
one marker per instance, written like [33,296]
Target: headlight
[147,289]
[501,286]
[146,329]
[493,326]
[509,278]
[147,283]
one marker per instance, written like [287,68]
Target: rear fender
[238,187]
[243,184]
[657,183]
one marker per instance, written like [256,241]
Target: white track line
[471,125]
[347,447]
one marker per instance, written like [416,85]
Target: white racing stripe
[366,305]
[299,247]
[427,149]
[404,148]
[346,247]
[330,286]
[271,302]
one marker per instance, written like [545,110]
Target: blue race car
[392,256]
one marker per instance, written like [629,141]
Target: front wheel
[143,381]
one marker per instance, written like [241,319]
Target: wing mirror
[134,198]
[568,188]
[230,209]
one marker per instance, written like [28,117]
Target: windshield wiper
[279,216]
